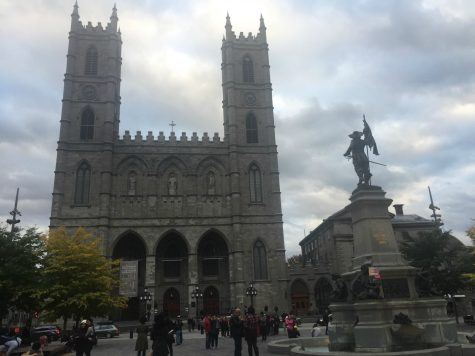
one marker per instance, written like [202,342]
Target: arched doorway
[299,297]
[172,259]
[323,290]
[211,301]
[130,248]
[213,268]
[171,302]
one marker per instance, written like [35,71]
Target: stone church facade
[192,211]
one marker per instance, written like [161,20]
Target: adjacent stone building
[191,211]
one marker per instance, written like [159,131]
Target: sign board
[129,273]
[374,273]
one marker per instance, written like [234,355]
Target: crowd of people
[164,332]
[247,326]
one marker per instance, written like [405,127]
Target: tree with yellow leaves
[78,279]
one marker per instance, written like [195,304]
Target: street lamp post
[145,297]
[197,294]
[251,292]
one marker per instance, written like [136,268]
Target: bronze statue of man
[356,151]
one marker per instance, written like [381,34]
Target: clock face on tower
[250,99]
[88,92]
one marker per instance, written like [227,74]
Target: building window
[251,129]
[87,125]
[83,180]
[255,186]
[260,261]
[91,61]
[247,70]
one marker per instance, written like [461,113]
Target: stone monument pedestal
[367,325]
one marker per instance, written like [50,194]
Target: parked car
[106,330]
[52,332]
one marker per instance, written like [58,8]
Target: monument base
[368,326]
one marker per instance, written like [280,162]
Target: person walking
[159,335]
[141,344]
[251,324]
[236,328]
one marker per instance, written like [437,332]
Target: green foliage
[441,258]
[21,258]
[79,279]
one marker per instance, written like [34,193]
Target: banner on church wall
[129,273]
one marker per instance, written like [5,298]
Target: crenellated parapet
[250,38]
[77,25]
[172,139]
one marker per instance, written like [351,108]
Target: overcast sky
[408,65]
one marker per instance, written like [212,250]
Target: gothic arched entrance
[171,302]
[299,297]
[323,290]
[211,301]
[130,248]
[213,269]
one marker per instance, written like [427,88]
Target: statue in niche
[172,184]
[211,183]
[132,183]
[356,151]
[364,287]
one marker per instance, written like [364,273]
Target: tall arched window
[83,180]
[87,125]
[91,61]
[255,184]
[247,70]
[251,128]
[260,260]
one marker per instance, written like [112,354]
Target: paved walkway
[193,345]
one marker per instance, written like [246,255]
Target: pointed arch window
[247,70]
[83,182]
[251,128]
[260,260]
[255,184]
[91,61]
[87,125]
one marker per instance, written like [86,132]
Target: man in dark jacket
[236,328]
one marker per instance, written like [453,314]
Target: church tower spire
[75,23]
[262,29]
[114,20]
[229,28]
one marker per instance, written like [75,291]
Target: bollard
[131,333]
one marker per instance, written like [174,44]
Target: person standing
[236,328]
[179,330]
[263,326]
[207,328]
[83,340]
[141,344]
[214,332]
[251,324]
[159,335]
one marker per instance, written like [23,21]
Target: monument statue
[340,293]
[172,184]
[356,150]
